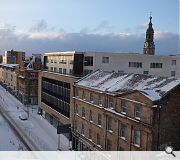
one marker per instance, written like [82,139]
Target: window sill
[136,145]
[123,138]
[138,118]
[110,131]
[99,145]
[99,126]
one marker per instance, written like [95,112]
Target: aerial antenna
[150,14]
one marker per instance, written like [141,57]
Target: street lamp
[27,108]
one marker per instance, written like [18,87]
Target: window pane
[100,100]
[90,115]
[88,61]
[83,112]
[82,129]
[98,139]
[99,119]
[109,123]
[109,145]
[105,59]
[123,106]
[137,137]
[123,131]
[173,62]
[91,97]
[137,113]
[173,73]
[111,103]
[90,134]
[76,109]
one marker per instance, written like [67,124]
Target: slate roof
[117,83]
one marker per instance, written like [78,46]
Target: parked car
[23,116]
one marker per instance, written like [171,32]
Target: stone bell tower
[149,47]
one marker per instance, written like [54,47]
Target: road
[10,141]
[36,131]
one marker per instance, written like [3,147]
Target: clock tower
[149,47]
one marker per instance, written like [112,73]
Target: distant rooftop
[116,83]
[9,65]
[60,53]
[113,53]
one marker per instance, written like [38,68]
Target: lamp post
[27,108]
[27,111]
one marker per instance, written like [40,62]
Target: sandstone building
[114,111]
[8,77]
[14,57]
[28,80]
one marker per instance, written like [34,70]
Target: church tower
[149,47]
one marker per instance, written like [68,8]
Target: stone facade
[14,57]
[118,119]
[28,86]
[130,117]
[147,124]
[8,77]
[167,117]
[28,80]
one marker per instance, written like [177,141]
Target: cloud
[168,42]
[41,42]
[141,27]
[41,25]
[103,26]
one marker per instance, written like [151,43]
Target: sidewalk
[36,128]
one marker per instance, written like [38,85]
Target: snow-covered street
[41,134]
[8,139]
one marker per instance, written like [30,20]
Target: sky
[40,26]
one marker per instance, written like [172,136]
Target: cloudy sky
[39,26]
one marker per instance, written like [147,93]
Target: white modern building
[82,63]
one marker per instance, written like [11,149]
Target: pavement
[36,132]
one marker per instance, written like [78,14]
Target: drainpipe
[131,138]
[158,127]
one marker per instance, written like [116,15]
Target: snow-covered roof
[9,65]
[117,83]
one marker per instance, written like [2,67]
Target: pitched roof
[116,83]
